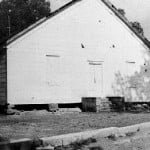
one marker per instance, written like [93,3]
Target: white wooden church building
[75,52]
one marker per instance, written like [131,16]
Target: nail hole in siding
[113,46]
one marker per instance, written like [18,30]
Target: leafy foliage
[136,86]
[137,27]
[121,11]
[20,14]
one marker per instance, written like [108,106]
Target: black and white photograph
[74,75]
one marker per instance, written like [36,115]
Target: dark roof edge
[26,30]
[15,37]
[126,22]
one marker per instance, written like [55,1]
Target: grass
[45,124]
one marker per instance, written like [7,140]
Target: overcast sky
[136,10]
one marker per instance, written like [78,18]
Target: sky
[136,10]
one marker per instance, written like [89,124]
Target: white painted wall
[35,78]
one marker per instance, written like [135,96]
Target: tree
[137,27]
[121,11]
[19,14]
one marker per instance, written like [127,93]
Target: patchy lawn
[42,123]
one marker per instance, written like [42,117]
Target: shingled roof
[106,2]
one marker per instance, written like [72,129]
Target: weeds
[77,145]
[112,137]
[129,134]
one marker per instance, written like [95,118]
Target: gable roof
[106,2]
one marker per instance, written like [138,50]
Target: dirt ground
[130,142]
[35,124]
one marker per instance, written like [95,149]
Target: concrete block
[95,104]
[53,107]
[89,104]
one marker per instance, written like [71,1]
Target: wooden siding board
[2,89]
[3,70]
[2,65]
[3,77]
[3,94]
[3,84]
[2,98]
[2,61]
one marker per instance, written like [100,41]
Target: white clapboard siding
[74,54]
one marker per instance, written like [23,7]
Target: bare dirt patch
[37,124]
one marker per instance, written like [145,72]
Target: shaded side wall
[3,77]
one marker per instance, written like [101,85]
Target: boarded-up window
[95,78]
